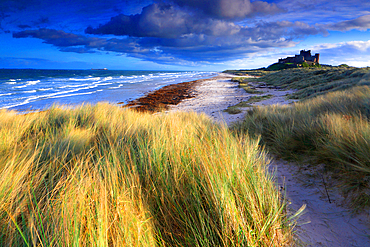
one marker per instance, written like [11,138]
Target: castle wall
[304,56]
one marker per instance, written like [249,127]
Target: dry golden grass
[103,176]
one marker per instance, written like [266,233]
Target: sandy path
[323,223]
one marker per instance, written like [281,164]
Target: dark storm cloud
[204,45]
[169,22]
[58,14]
[226,9]
[24,26]
[68,42]
[77,50]
[176,31]
[19,5]
[55,37]
[361,23]
[42,20]
[163,21]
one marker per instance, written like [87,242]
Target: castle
[304,56]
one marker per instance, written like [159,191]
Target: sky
[206,35]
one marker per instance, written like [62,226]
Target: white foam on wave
[28,83]
[32,82]
[11,81]
[75,94]
[84,79]
[6,94]
[54,95]
[31,91]
[21,86]
[108,78]
[73,86]
[45,89]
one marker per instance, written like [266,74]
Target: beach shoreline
[210,96]
[163,98]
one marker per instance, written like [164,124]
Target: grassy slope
[312,82]
[330,125]
[103,176]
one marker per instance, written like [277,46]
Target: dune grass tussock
[333,128]
[103,176]
[235,109]
[244,83]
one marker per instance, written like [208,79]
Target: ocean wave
[75,94]
[32,82]
[103,84]
[58,88]
[107,78]
[45,89]
[72,86]
[28,83]
[11,81]
[54,95]
[6,94]
[84,79]
[21,86]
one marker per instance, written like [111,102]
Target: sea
[27,90]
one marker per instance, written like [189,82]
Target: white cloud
[354,53]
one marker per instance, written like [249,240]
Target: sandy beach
[215,95]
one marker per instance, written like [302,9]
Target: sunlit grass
[103,176]
[333,129]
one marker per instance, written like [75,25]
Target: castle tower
[317,56]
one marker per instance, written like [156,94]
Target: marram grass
[103,176]
[333,129]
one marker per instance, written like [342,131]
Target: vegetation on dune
[255,99]
[103,176]
[251,72]
[280,66]
[244,83]
[235,109]
[275,67]
[312,82]
[333,129]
